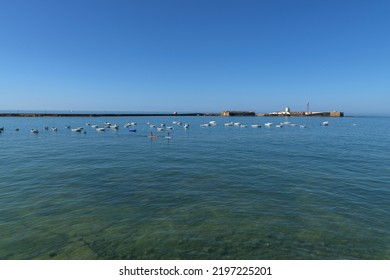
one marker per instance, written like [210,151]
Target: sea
[303,191]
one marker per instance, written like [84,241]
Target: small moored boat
[114,126]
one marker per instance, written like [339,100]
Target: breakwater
[303,114]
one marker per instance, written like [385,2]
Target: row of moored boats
[162,127]
[131,126]
[238,124]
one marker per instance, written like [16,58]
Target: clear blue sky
[195,55]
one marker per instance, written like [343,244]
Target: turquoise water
[320,192]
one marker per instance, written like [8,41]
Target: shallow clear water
[207,193]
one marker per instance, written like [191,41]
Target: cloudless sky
[195,55]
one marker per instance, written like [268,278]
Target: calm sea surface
[320,192]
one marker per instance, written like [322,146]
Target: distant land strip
[175,114]
[101,114]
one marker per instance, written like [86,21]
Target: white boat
[243,126]
[130,124]
[325,123]
[54,129]
[94,126]
[205,125]
[186,126]
[213,123]
[114,126]
[255,125]
[78,129]
[229,124]
[35,131]
[170,128]
[268,124]
[279,125]
[237,124]
[160,129]
[302,126]
[100,129]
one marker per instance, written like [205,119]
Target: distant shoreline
[145,114]
[100,114]
[92,115]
